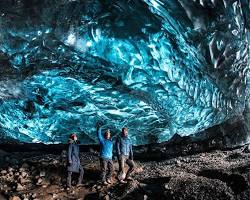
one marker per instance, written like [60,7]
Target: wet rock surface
[212,175]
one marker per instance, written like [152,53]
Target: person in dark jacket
[106,154]
[74,164]
[125,155]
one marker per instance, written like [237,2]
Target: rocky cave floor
[212,175]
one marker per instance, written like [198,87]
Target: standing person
[106,154]
[74,164]
[125,155]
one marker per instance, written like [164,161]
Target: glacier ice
[159,67]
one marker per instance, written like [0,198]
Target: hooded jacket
[106,151]
[73,156]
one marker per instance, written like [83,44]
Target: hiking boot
[129,179]
[104,183]
[79,185]
[122,181]
[68,187]
[121,176]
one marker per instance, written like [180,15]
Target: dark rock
[247,149]
[197,188]
[131,187]
[236,182]
[19,187]
[7,159]
[3,153]
[14,161]
[25,165]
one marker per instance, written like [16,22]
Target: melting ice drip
[158,67]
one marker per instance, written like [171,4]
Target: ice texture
[158,67]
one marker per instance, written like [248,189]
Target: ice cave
[124,100]
[158,67]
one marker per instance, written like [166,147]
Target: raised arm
[99,134]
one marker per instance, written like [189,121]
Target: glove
[99,123]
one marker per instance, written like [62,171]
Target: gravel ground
[209,176]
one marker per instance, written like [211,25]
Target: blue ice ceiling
[159,67]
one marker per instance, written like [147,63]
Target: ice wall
[159,67]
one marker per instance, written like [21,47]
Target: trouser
[80,178]
[125,159]
[106,169]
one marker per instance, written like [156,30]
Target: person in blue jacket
[125,155]
[74,164]
[106,154]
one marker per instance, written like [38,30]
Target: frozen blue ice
[158,67]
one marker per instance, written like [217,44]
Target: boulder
[3,172]
[25,166]
[19,187]
[24,174]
